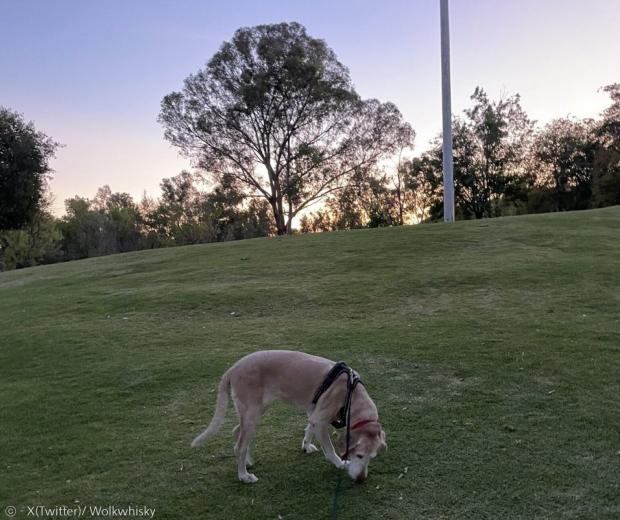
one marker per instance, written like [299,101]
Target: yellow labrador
[263,377]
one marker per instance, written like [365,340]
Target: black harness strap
[353,379]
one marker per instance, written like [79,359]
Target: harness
[353,379]
[344,414]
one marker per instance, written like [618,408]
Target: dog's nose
[361,478]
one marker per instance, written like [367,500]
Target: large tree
[276,111]
[25,154]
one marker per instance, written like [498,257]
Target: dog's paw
[309,448]
[342,464]
[248,478]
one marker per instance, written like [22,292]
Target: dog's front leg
[306,444]
[322,432]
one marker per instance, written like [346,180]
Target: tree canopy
[491,140]
[563,155]
[276,111]
[24,167]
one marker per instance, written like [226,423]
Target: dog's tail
[220,412]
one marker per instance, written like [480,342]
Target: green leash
[345,414]
[352,382]
[335,503]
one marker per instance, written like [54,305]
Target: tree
[606,169]
[404,198]
[25,154]
[187,215]
[368,201]
[606,178]
[123,221]
[276,111]
[177,216]
[318,222]
[609,130]
[81,229]
[108,224]
[563,155]
[425,182]
[491,141]
[38,242]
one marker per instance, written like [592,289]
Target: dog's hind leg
[250,410]
[306,444]
[249,462]
[246,432]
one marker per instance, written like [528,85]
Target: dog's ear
[375,430]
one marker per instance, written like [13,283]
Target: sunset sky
[91,74]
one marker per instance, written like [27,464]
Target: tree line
[114,223]
[275,129]
[503,165]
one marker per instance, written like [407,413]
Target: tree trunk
[281,227]
[289,222]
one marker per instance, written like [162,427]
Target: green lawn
[492,349]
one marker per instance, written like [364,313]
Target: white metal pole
[448,164]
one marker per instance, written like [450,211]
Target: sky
[92,73]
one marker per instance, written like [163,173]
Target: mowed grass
[491,349]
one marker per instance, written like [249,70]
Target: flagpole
[448,162]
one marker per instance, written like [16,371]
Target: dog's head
[364,444]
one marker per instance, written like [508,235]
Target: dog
[260,378]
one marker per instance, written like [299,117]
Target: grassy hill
[491,349]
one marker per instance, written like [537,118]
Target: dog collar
[361,423]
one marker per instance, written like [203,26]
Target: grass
[491,349]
